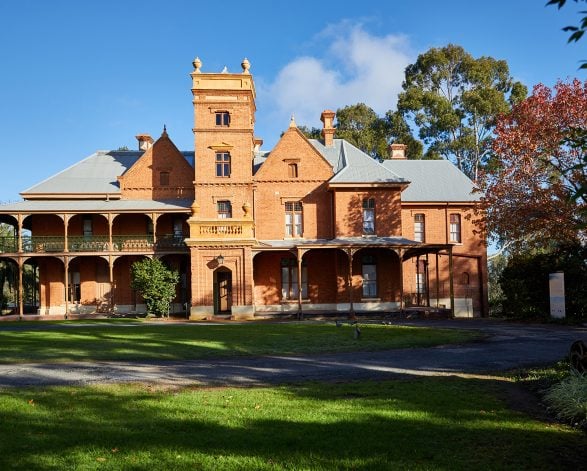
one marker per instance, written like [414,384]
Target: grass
[136,341]
[428,423]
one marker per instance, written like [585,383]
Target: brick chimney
[397,151]
[327,118]
[145,141]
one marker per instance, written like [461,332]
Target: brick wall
[348,211]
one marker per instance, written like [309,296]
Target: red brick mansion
[311,226]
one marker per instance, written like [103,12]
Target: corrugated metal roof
[332,154]
[361,168]
[433,180]
[340,241]
[96,206]
[96,174]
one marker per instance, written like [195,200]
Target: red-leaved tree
[533,185]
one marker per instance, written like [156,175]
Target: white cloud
[354,66]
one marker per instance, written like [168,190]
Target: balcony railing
[120,243]
[221,229]
[8,244]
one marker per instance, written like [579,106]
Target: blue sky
[77,76]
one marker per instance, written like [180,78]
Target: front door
[223,299]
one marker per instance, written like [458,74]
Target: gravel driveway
[506,346]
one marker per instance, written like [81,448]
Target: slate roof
[433,181]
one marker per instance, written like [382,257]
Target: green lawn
[69,342]
[428,423]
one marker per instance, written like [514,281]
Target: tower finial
[292,122]
[164,133]
[197,65]
[246,65]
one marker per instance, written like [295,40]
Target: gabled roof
[95,175]
[433,181]
[352,165]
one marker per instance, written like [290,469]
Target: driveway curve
[506,346]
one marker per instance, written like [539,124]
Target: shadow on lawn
[191,342]
[446,423]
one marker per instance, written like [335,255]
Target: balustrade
[101,243]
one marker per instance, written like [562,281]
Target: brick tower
[221,225]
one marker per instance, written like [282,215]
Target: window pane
[368,221]
[455,227]
[284,282]
[370,281]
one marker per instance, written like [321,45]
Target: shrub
[568,399]
[524,282]
[156,284]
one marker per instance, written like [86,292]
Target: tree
[365,129]
[398,130]
[310,133]
[533,185]
[576,31]
[362,127]
[8,272]
[156,284]
[524,282]
[453,99]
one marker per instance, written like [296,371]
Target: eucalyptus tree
[454,99]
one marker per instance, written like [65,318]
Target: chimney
[397,151]
[258,142]
[145,141]
[327,118]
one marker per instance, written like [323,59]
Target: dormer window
[223,118]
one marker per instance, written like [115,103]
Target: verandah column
[350,254]
[401,280]
[299,280]
[66,265]
[451,284]
[20,288]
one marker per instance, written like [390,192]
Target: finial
[197,64]
[292,122]
[164,133]
[225,70]
[246,65]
